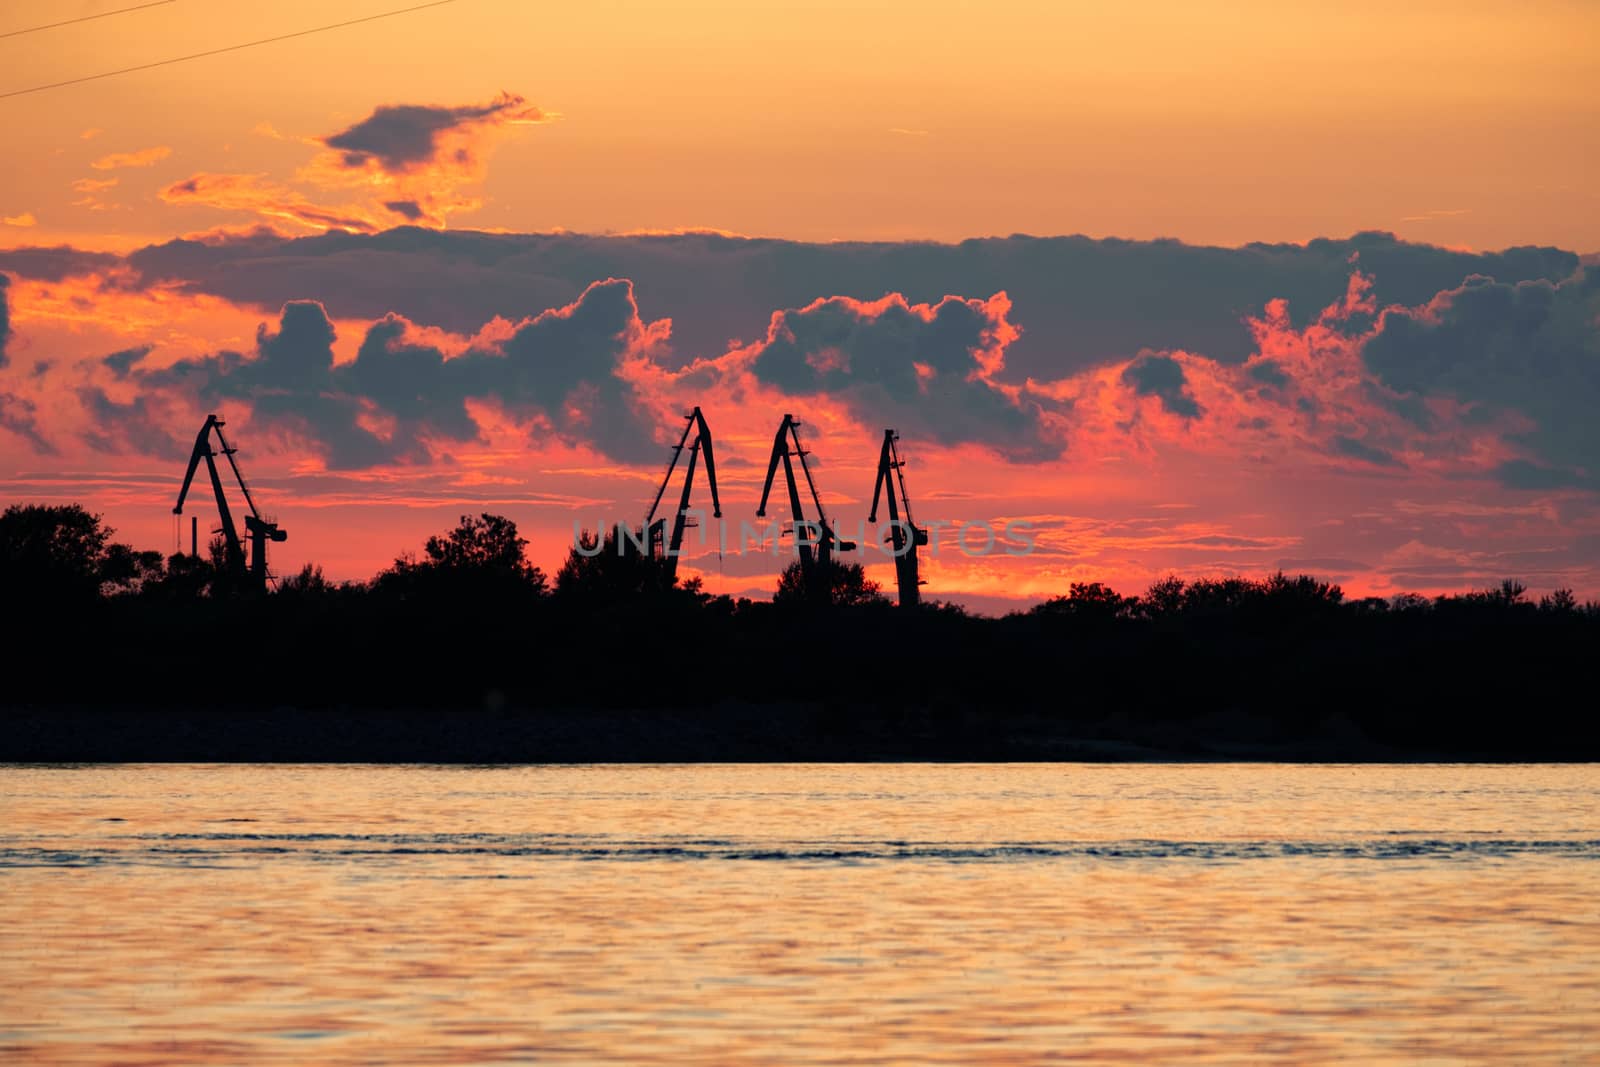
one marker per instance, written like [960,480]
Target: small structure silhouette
[259,529]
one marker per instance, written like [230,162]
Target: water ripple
[197,849]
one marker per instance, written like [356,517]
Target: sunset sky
[1214,289]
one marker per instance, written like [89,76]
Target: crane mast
[655,537]
[816,553]
[905,536]
[260,530]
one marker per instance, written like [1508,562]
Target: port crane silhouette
[260,530]
[815,541]
[905,536]
[655,538]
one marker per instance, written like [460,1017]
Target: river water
[799,914]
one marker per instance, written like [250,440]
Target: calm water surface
[799,914]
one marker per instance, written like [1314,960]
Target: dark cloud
[134,425]
[398,395]
[1162,376]
[5,319]
[54,264]
[404,136]
[918,369]
[18,414]
[1269,372]
[1532,347]
[1521,474]
[409,210]
[123,361]
[1084,301]
[1322,565]
[1355,448]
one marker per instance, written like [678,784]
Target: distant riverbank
[486,665]
[732,733]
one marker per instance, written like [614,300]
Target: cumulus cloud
[23,220]
[567,373]
[144,157]
[926,369]
[1530,348]
[1162,376]
[1304,396]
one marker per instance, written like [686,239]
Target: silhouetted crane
[654,529]
[816,552]
[260,530]
[904,536]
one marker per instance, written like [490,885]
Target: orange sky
[1461,123]
[1465,125]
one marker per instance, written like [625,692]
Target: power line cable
[229,48]
[85,18]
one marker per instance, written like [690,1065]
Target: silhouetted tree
[1560,602]
[482,556]
[598,572]
[124,570]
[1509,597]
[1217,596]
[839,585]
[1164,597]
[1302,589]
[1087,600]
[1409,602]
[1282,600]
[1509,593]
[64,553]
[488,542]
[309,583]
[185,578]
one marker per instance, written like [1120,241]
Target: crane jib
[260,531]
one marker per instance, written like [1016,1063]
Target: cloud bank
[404,398]
[1132,348]
[1083,302]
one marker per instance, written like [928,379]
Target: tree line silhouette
[469,627]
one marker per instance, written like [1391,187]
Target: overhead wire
[229,48]
[84,18]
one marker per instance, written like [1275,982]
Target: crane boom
[904,536]
[654,530]
[816,553]
[244,487]
[260,530]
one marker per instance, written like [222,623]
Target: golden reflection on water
[799,914]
